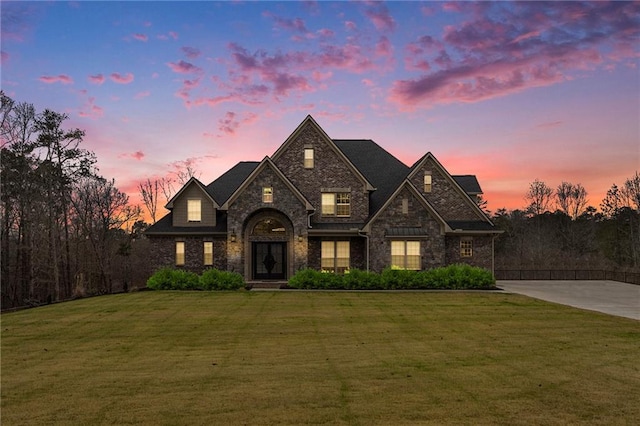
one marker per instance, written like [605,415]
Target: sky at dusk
[508,91]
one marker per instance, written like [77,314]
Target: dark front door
[269,261]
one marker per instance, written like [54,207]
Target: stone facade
[243,224]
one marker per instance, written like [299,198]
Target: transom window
[335,256]
[466,247]
[267,194]
[194,210]
[336,204]
[427,182]
[405,255]
[179,253]
[208,253]
[308,158]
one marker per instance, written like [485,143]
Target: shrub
[214,279]
[305,278]
[173,279]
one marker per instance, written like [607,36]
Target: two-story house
[327,204]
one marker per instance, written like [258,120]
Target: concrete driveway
[610,297]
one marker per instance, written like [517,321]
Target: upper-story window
[308,158]
[336,204]
[194,210]
[427,182]
[267,194]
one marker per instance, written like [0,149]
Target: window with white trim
[308,158]
[194,210]
[336,204]
[208,253]
[405,255]
[335,256]
[466,247]
[267,194]
[180,253]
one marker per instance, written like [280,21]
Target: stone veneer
[163,253]
[482,251]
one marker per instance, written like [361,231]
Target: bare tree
[572,199]
[149,192]
[631,191]
[538,197]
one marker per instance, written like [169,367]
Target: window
[405,255]
[427,182]
[328,204]
[308,158]
[267,194]
[466,247]
[194,210]
[208,253]
[336,204]
[335,256]
[179,253]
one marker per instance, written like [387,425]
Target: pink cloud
[350,25]
[51,79]
[4,57]
[96,79]
[121,79]
[170,34]
[489,55]
[140,37]
[231,122]
[183,67]
[326,33]
[138,155]
[294,25]
[380,17]
[91,110]
[191,52]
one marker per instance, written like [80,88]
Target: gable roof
[469,183]
[222,188]
[371,160]
[266,162]
[309,121]
[465,195]
[191,181]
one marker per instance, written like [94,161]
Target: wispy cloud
[379,15]
[183,67]
[121,79]
[96,79]
[505,48]
[137,155]
[140,37]
[141,95]
[231,121]
[90,109]
[51,79]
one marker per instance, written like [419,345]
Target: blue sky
[509,91]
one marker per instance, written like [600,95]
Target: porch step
[267,285]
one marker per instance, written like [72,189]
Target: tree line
[557,229]
[66,230]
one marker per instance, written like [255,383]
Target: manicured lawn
[318,358]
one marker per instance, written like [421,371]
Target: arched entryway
[268,235]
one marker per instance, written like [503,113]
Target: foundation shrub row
[452,277]
[179,279]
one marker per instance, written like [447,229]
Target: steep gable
[330,171]
[196,191]
[223,187]
[446,195]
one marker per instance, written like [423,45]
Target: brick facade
[403,210]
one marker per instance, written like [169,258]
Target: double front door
[269,260]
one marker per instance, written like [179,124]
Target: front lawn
[318,358]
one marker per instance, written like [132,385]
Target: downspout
[366,236]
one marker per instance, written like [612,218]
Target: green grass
[318,358]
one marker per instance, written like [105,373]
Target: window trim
[267,194]
[180,253]
[337,204]
[466,247]
[406,257]
[309,158]
[193,213]
[428,182]
[207,256]
[337,266]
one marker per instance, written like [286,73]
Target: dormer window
[308,158]
[194,210]
[427,181]
[267,194]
